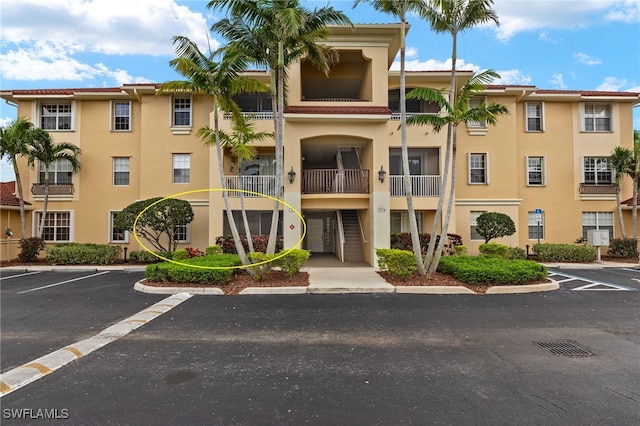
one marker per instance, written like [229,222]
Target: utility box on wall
[598,237]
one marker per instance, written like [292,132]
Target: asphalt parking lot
[329,359]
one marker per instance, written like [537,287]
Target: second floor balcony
[602,188]
[421,185]
[259,184]
[335,181]
[38,189]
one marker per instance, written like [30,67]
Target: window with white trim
[535,231]
[597,220]
[121,171]
[56,115]
[182,233]
[473,221]
[597,171]
[534,120]
[181,111]
[60,172]
[475,102]
[57,226]
[116,236]
[478,168]
[259,222]
[181,168]
[121,117]
[536,173]
[400,221]
[596,117]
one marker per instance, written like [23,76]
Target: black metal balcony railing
[335,181]
[54,189]
[592,188]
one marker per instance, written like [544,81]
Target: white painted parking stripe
[19,275]
[631,270]
[63,282]
[611,287]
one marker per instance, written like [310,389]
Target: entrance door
[315,231]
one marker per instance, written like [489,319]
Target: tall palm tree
[621,161]
[43,150]
[635,176]
[275,33]
[222,80]
[453,17]
[14,143]
[455,114]
[399,9]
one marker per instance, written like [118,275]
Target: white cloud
[5,121]
[435,65]
[558,81]
[583,58]
[513,77]
[614,84]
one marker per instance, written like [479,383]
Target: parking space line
[591,284]
[63,282]
[19,275]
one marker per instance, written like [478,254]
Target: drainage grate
[565,348]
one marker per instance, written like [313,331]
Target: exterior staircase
[352,236]
[350,158]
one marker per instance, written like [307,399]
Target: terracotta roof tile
[584,92]
[8,195]
[629,201]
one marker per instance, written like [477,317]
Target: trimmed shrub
[260,271]
[492,270]
[459,250]
[494,249]
[293,261]
[564,253]
[212,250]
[402,241]
[259,243]
[30,249]
[82,254]
[400,263]
[198,273]
[516,253]
[143,256]
[623,247]
[180,255]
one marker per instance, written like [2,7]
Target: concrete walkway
[347,280]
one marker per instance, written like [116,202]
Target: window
[182,233]
[536,171]
[263,165]
[55,115]
[181,168]
[121,116]
[400,221]
[181,111]
[597,220]
[597,117]
[478,168]
[534,117]
[120,171]
[536,232]
[60,172]
[259,222]
[114,235]
[475,102]
[597,170]
[473,221]
[57,226]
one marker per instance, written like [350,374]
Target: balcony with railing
[265,185]
[421,185]
[335,181]
[596,189]
[37,189]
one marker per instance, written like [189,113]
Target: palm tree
[621,159]
[456,113]
[635,175]
[399,9]
[453,17]
[46,152]
[13,144]
[222,80]
[274,34]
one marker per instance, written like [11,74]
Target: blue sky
[560,44]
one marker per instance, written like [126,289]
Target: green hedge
[576,253]
[400,263]
[143,256]
[172,272]
[623,247]
[491,270]
[82,254]
[293,261]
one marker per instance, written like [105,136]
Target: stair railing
[364,240]
[341,236]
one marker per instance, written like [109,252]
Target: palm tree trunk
[23,221]
[245,221]
[46,200]
[279,120]
[634,208]
[620,217]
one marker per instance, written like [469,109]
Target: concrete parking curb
[434,290]
[32,371]
[150,289]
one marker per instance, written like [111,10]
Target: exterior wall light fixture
[381,175]
[292,175]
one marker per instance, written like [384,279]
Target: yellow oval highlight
[284,252]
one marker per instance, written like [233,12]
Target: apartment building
[545,164]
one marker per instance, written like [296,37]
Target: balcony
[421,185]
[597,189]
[260,184]
[37,189]
[335,181]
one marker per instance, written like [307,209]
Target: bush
[212,250]
[492,270]
[402,241]
[259,243]
[400,263]
[198,273]
[293,261]
[260,271]
[494,249]
[180,255]
[494,225]
[516,253]
[143,256]
[564,253]
[82,254]
[623,247]
[30,249]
